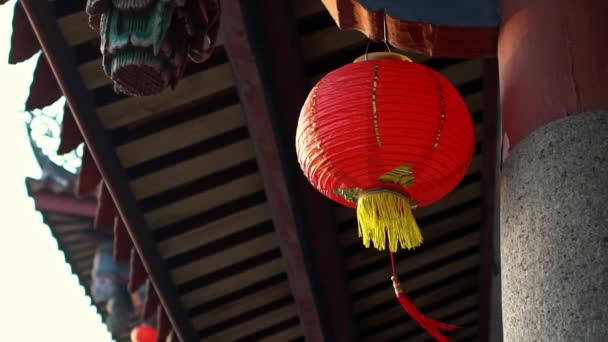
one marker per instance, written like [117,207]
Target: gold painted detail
[312,107]
[374,107]
[442,113]
[402,175]
[371,56]
[349,194]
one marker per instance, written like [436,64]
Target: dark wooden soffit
[56,50]
[490,149]
[269,73]
[425,37]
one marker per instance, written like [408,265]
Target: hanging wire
[384,40]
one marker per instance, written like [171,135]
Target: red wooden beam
[80,100]
[425,38]
[65,205]
[271,80]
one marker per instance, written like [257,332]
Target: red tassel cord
[432,326]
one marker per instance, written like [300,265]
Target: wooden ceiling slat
[231,255]
[192,169]
[459,195]
[417,283]
[73,227]
[79,253]
[328,41]
[439,231]
[75,28]
[193,151]
[409,326]
[411,262]
[58,218]
[83,265]
[291,334]
[180,136]
[207,200]
[88,245]
[214,231]
[252,326]
[426,299]
[74,237]
[132,109]
[93,75]
[466,71]
[237,307]
[228,285]
[462,334]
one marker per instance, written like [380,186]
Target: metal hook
[385,41]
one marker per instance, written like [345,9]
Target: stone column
[553,65]
[554,233]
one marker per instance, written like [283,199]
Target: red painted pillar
[553,61]
[553,70]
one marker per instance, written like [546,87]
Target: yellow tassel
[387,215]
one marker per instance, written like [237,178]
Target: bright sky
[40,299]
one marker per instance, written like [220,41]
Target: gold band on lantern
[313,103]
[442,112]
[382,55]
[374,107]
[412,203]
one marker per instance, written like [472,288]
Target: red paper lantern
[143,333]
[385,136]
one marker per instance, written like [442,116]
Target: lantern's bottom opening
[385,217]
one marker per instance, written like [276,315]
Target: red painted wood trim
[122,241]
[39,13]
[489,169]
[150,303]
[65,205]
[427,39]
[89,176]
[23,41]
[106,211]
[70,135]
[44,90]
[552,60]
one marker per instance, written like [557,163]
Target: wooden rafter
[40,15]
[270,77]
[490,140]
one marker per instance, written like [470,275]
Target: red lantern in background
[385,135]
[143,333]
